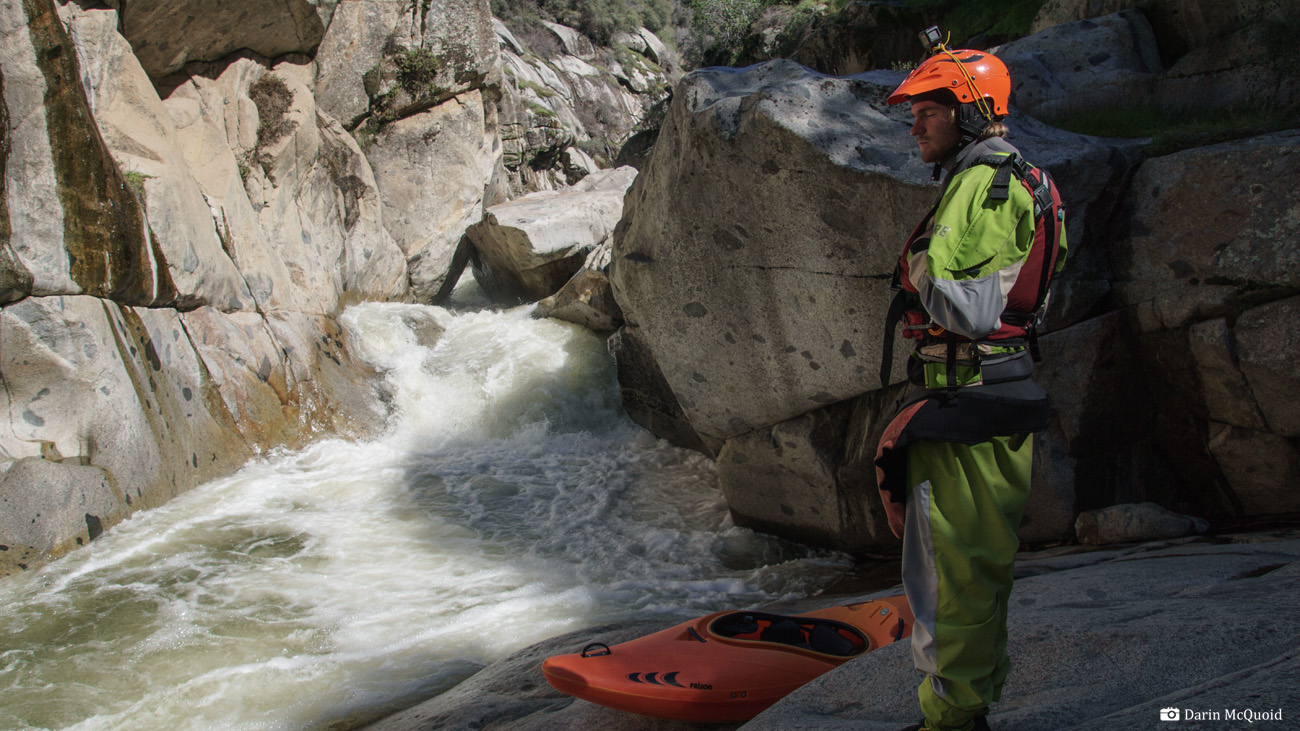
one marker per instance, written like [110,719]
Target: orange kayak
[726,666]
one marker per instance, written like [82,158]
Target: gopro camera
[929,37]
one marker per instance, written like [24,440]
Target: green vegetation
[273,99]
[538,89]
[135,179]
[722,24]
[1171,130]
[417,71]
[995,20]
[541,111]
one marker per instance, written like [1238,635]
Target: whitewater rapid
[509,500]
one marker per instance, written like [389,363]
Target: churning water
[510,500]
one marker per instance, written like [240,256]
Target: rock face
[1213,54]
[1107,61]
[192,192]
[171,264]
[165,35]
[1211,290]
[418,83]
[753,264]
[394,58]
[431,169]
[563,116]
[746,259]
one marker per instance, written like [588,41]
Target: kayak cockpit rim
[812,634]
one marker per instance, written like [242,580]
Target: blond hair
[996,128]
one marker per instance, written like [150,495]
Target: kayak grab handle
[898,635]
[595,649]
[695,635]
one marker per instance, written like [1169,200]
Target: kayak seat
[825,638]
[785,632]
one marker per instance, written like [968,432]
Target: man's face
[935,129]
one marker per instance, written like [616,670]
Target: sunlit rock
[144,142]
[167,34]
[54,507]
[393,58]
[118,388]
[431,170]
[529,247]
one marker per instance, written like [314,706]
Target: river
[509,499]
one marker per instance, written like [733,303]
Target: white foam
[509,500]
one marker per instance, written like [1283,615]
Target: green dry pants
[964,506]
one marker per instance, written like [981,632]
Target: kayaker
[954,463]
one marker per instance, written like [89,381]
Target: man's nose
[916,127]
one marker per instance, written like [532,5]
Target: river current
[509,499]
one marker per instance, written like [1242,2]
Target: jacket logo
[942,231]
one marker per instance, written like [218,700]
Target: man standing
[954,463]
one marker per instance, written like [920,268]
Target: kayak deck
[727,666]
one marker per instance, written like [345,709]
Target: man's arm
[974,254]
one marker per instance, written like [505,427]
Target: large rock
[1208,231]
[1133,523]
[1088,64]
[167,34]
[117,388]
[1227,396]
[75,225]
[393,58]
[1260,469]
[145,144]
[1202,273]
[309,188]
[354,44]
[529,247]
[783,480]
[812,477]
[278,200]
[757,245]
[587,299]
[432,169]
[1268,339]
[747,256]
[54,507]
[1247,398]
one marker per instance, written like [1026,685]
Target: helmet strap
[971,123]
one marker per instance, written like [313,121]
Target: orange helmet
[973,77]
